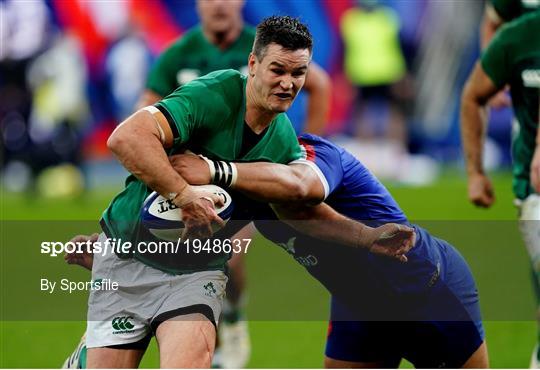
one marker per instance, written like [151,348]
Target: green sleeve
[496,59]
[162,76]
[192,108]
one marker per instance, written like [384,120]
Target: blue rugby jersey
[371,284]
[351,189]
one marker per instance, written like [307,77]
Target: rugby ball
[163,219]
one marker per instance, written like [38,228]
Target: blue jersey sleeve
[325,159]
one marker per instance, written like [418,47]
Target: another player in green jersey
[512,58]
[223,115]
[498,12]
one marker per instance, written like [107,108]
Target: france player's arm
[262,181]
[323,222]
[278,183]
[293,191]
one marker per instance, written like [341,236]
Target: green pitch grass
[299,344]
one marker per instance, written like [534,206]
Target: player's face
[279,76]
[219,16]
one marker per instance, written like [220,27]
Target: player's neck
[258,120]
[223,40]
[257,116]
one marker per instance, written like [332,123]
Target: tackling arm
[292,188]
[477,91]
[265,182]
[269,182]
[323,222]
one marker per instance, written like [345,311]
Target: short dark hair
[286,31]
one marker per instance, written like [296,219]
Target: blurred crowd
[70,71]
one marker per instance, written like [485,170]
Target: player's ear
[252,64]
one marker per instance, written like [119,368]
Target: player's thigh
[361,344]
[479,359]
[186,320]
[103,357]
[186,341]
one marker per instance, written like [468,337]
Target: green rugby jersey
[207,116]
[511,9]
[513,58]
[192,56]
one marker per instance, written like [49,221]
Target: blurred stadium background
[65,83]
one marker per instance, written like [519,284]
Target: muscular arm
[323,222]
[477,91]
[262,181]
[138,144]
[291,188]
[269,182]
[318,87]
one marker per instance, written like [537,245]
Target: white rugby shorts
[146,297]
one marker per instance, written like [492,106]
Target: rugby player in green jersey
[225,116]
[222,41]
[512,58]
[496,13]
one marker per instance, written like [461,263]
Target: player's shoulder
[524,24]
[510,10]
[314,145]
[518,36]
[218,91]
[315,140]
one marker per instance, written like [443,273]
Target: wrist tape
[222,173]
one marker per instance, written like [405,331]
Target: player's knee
[202,356]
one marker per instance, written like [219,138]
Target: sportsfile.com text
[119,246]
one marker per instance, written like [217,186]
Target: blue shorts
[432,321]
